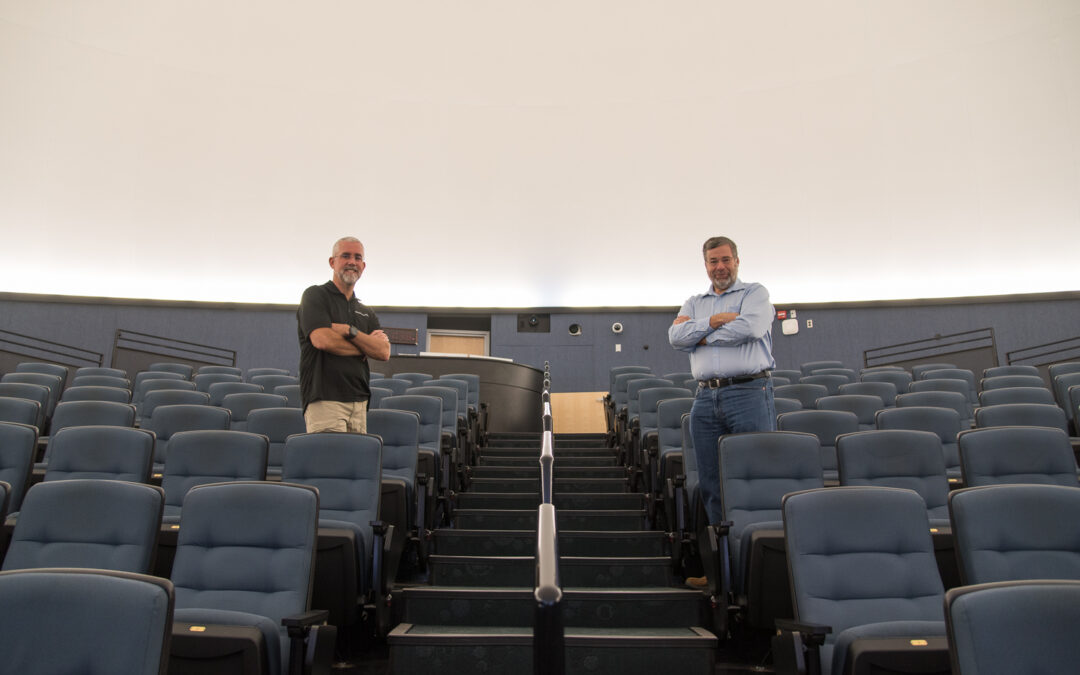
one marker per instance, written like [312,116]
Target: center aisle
[622,610]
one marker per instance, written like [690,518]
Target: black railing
[134,351]
[548,635]
[977,347]
[28,347]
[1046,354]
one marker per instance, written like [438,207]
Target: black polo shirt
[326,376]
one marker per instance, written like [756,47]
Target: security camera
[575,329]
[616,328]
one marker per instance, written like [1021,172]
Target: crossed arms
[335,340]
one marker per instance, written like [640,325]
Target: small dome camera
[616,328]
[575,329]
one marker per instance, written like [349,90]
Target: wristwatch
[353,332]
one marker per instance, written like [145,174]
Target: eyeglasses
[358,257]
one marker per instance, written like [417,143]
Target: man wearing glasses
[338,334]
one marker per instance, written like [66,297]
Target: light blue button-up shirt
[742,347]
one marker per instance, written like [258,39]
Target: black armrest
[814,633]
[298,625]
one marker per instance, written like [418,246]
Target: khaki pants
[336,416]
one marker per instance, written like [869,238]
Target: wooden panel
[457,344]
[578,412]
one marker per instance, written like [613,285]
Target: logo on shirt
[361,313]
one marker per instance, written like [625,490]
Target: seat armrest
[814,633]
[299,624]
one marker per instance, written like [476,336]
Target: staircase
[621,608]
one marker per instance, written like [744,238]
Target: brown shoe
[698,583]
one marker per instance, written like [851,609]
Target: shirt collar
[737,286]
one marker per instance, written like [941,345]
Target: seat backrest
[831,382]
[997,455]
[449,404]
[785,405]
[85,621]
[96,393]
[151,375]
[1013,532]
[33,392]
[847,373]
[648,402]
[428,408]
[1016,395]
[864,406]
[97,370]
[945,384]
[462,389]
[395,385]
[100,381]
[622,370]
[53,383]
[416,378]
[622,381]
[147,385]
[248,547]
[1021,414]
[20,411]
[377,395]
[47,368]
[240,406]
[268,382]
[807,394]
[1000,381]
[90,413]
[793,375]
[172,419]
[182,369]
[810,366]
[898,378]
[690,470]
[227,370]
[1062,383]
[219,390]
[346,469]
[256,372]
[826,425]
[919,371]
[277,424]
[757,469]
[400,434]
[964,374]
[1014,627]
[945,422]
[938,399]
[103,524]
[669,414]
[634,389]
[18,445]
[906,459]
[474,385]
[1056,369]
[202,457]
[857,556]
[204,380]
[101,452]
[291,392]
[162,397]
[995,371]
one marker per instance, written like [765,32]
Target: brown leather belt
[721,382]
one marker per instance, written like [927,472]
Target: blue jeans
[734,409]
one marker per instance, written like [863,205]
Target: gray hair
[344,240]
[713,242]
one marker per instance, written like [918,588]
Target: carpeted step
[562,461]
[562,485]
[520,571]
[629,651]
[531,500]
[523,543]
[524,519]
[597,608]
[561,471]
[534,452]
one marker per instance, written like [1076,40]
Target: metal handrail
[549,640]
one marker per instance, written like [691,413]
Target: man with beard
[338,334]
[728,333]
